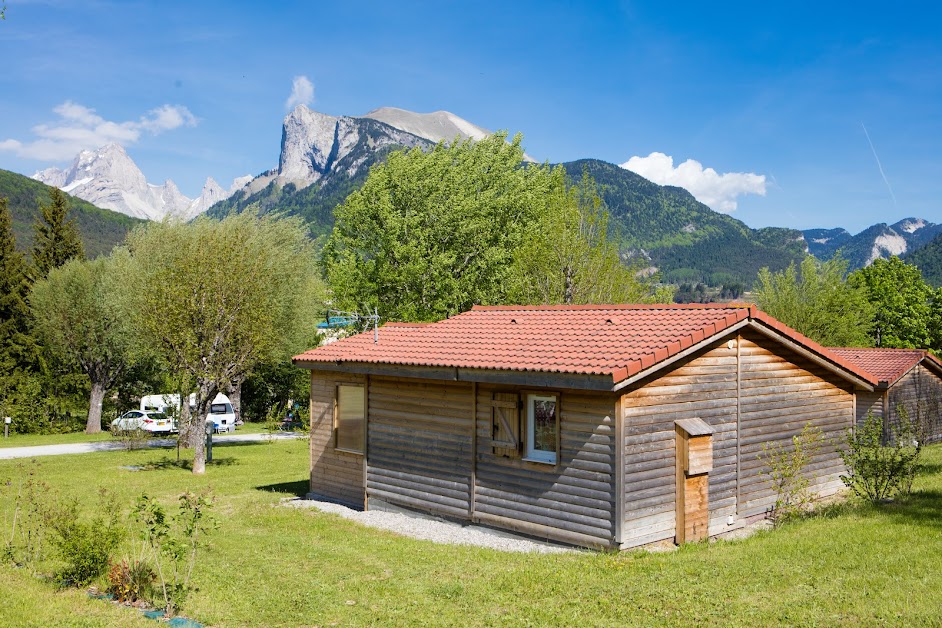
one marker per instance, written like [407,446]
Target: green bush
[85,546]
[786,466]
[878,471]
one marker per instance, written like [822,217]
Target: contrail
[880,166]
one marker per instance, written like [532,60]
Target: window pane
[350,413]
[544,415]
[541,428]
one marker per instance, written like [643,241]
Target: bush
[786,465]
[875,471]
[85,546]
[131,581]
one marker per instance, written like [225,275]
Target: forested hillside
[101,229]
[928,259]
[684,238]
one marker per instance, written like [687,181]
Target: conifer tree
[57,238]
[17,349]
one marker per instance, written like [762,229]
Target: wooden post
[474,449]
[693,463]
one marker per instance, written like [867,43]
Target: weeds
[786,466]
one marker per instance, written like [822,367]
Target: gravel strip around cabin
[435,530]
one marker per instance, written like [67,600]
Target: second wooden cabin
[600,426]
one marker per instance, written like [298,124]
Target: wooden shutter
[505,437]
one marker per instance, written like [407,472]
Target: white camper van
[220,411]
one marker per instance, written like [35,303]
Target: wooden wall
[334,474]
[419,445]
[573,501]
[920,392]
[869,403]
[755,389]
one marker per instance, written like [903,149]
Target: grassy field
[274,566]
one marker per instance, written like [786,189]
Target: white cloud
[302,92]
[79,128]
[718,191]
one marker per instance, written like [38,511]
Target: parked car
[146,420]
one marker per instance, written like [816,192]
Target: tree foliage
[903,304]
[568,256]
[78,316]
[17,348]
[56,239]
[816,300]
[432,233]
[214,299]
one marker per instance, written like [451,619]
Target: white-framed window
[542,428]
[350,418]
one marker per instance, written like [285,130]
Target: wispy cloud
[302,92]
[718,191]
[79,128]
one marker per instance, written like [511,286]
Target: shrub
[130,581]
[131,438]
[786,465]
[174,541]
[85,546]
[876,471]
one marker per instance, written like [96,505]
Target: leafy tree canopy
[903,303]
[214,299]
[816,300]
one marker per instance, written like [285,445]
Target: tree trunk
[204,400]
[234,392]
[93,425]
[568,285]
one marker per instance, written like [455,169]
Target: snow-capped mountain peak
[109,178]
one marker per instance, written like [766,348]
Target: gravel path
[435,530]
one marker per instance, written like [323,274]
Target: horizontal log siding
[572,501]
[702,386]
[781,393]
[419,445]
[920,392]
[869,403]
[334,474]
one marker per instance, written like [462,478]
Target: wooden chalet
[600,426]
[906,378]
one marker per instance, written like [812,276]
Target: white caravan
[220,411]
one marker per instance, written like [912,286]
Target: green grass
[275,566]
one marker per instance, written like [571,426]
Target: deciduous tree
[902,303]
[817,301]
[79,318]
[216,298]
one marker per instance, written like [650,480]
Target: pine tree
[57,238]
[17,348]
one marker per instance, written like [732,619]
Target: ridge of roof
[574,339]
[869,358]
[611,306]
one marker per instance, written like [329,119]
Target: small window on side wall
[542,438]
[350,421]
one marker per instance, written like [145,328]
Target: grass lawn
[29,440]
[274,566]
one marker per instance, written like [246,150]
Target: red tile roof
[887,365]
[616,341]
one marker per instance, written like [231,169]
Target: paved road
[111,445]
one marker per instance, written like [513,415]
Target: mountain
[109,178]
[879,240]
[101,229]
[323,158]
[686,240]
[928,259]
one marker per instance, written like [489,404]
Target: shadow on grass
[187,465]
[298,489]
[922,508]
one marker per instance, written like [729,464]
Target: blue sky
[778,98]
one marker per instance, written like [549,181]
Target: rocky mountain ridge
[880,240]
[110,179]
